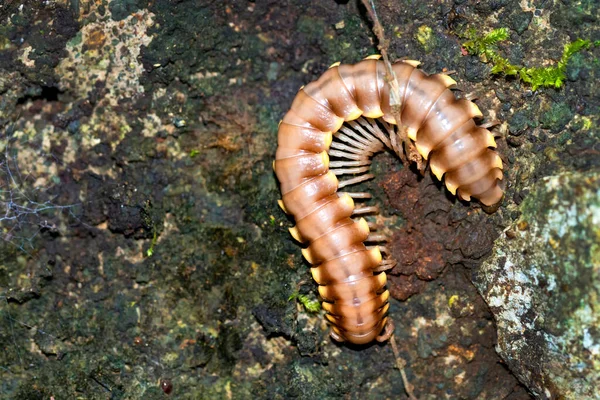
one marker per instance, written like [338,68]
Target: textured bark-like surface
[143,251]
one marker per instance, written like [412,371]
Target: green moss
[484,44]
[521,120]
[564,138]
[209,84]
[310,305]
[556,117]
[486,47]
[268,116]
[150,250]
[587,123]
[312,27]
[339,44]
[4,43]
[121,9]
[425,37]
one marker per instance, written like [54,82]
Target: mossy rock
[543,286]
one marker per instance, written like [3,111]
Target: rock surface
[152,257]
[543,286]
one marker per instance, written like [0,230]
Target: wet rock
[121,9]
[308,343]
[567,17]
[519,21]
[520,121]
[475,70]
[556,117]
[229,343]
[542,285]
[276,320]
[431,339]
[487,7]
[201,352]
[402,287]
[105,90]
[579,67]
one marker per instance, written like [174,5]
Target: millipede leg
[355,180]
[349,137]
[388,331]
[360,124]
[343,164]
[471,96]
[372,226]
[374,129]
[489,124]
[382,249]
[366,140]
[350,156]
[386,265]
[359,195]
[376,238]
[335,336]
[352,150]
[349,171]
[366,210]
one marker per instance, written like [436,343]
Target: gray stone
[542,284]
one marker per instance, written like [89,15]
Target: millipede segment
[326,142]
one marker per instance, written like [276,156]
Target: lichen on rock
[543,286]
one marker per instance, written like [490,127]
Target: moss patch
[485,46]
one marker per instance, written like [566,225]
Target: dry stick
[395,101]
[396,106]
[400,364]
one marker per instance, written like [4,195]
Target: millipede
[326,142]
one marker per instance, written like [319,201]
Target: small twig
[383,46]
[400,364]
[395,99]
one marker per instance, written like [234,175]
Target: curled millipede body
[330,131]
